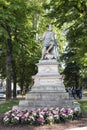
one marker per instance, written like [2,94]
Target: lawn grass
[7,106]
[83,105]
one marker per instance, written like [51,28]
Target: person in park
[49,50]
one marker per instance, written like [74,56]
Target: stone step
[50,88]
[48,74]
[52,76]
[48,81]
[48,62]
[46,103]
[46,95]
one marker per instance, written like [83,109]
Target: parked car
[2,95]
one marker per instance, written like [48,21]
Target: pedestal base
[48,89]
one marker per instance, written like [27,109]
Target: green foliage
[74,15]
[83,105]
[24,19]
[7,106]
[11,26]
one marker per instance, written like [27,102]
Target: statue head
[50,27]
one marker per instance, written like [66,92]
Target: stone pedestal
[48,89]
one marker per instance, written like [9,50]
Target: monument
[48,89]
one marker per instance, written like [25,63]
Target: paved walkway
[2,101]
[81,128]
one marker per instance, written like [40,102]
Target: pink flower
[64,111]
[7,114]
[41,120]
[55,112]
[26,114]
[45,109]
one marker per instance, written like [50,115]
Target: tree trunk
[14,78]
[76,81]
[14,88]
[8,66]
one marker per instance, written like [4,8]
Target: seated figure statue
[49,50]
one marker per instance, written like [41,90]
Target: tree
[9,21]
[19,22]
[74,14]
[72,69]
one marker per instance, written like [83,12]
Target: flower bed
[40,116]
